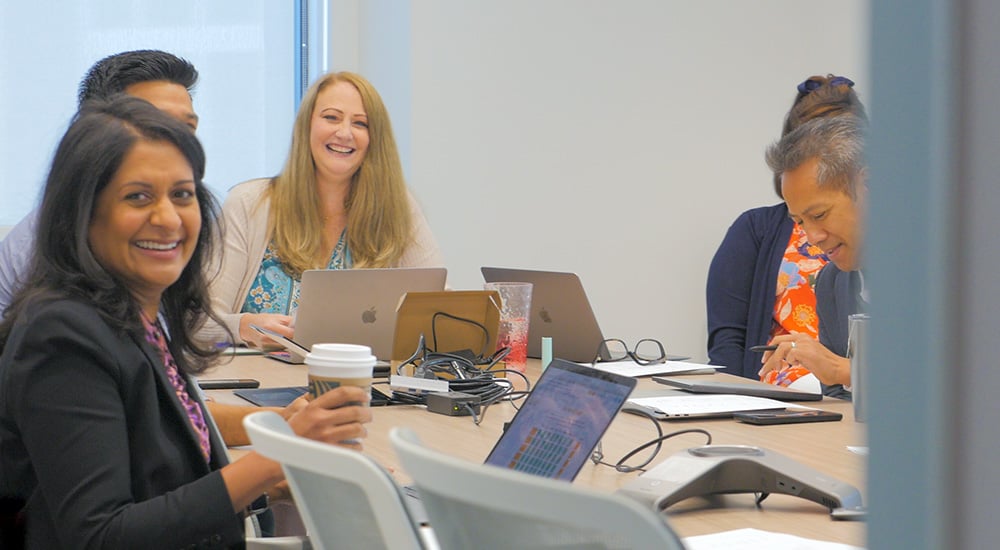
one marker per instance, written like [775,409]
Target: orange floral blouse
[795,299]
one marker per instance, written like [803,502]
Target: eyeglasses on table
[646,351]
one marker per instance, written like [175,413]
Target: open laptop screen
[560,423]
[559,310]
[358,306]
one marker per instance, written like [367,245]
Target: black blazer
[94,439]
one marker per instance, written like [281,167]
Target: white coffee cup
[334,365]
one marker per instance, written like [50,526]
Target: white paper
[685,405]
[633,369]
[746,539]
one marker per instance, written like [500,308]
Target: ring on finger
[793,345]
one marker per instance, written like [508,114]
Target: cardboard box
[416,315]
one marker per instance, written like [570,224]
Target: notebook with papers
[683,406]
[358,306]
[559,424]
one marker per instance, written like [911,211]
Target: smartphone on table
[227,383]
[787,416]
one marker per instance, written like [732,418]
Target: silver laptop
[358,306]
[559,310]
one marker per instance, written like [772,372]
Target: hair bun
[815,82]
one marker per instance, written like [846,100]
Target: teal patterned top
[275,291]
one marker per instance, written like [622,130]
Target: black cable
[597,457]
[476,375]
[472,411]
[511,396]
[486,333]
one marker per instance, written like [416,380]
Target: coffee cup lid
[347,360]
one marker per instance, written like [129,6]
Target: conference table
[823,446]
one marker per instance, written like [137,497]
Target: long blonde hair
[377,203]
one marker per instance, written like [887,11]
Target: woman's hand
[289,410]
[280,491]
[798,349]
[282,324]
[338,417]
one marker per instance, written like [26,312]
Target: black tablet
[281,397]
[750,387]
[272,397]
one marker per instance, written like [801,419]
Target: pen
[759,349]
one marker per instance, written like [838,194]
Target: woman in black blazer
[103,438]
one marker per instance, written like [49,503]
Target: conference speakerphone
[724,469]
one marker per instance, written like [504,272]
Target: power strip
[453,403]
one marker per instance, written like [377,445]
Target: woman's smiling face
[338,134]
[146,221]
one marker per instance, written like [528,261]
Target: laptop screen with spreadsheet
[561,421]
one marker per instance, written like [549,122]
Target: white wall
[242,49]
[617,140]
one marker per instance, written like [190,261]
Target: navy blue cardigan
[742,281]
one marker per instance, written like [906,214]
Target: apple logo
[544,314]
[368,317]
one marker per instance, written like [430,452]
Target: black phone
[787,416]
[228,383]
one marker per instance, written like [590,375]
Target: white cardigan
[244,224]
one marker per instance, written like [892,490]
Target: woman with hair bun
[762,278]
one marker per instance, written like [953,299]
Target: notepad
[635,370]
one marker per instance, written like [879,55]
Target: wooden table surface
[822,446]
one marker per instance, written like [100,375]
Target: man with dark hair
[115,73]
[160,78]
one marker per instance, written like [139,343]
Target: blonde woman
[340,202]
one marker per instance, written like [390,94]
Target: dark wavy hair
[63,264]
[111,75]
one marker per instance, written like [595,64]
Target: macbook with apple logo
[559,310]
[358,306]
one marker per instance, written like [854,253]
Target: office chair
[482,506]
[346,500]
[255,541]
